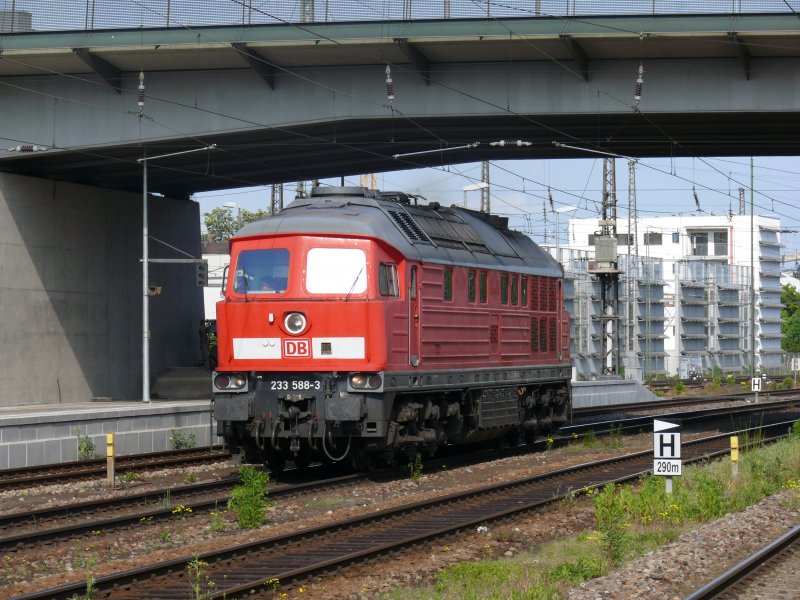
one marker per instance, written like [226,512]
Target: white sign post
[667,450]
[755,386]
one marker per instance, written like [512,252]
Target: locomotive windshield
[336,271]
[261,271]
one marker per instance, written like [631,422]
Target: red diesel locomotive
[357,325]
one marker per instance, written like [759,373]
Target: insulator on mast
[637,93]
[140,93]
[389,85]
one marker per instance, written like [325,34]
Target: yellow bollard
[110,459]
[734,456]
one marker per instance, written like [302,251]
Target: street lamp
[232,205]
[481,185]
[558,211]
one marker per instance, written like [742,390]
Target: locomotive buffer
[667,450]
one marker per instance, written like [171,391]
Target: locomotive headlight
[230,382]
[295,323]
[365,382]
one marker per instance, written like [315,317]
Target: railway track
[312,551]
[69,521]
[771,572]
[71,471]
[683,401]
[73,520]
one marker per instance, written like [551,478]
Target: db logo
[296,348]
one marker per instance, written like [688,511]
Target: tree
[790,319]
[222,223]
[250,216]
[791,334]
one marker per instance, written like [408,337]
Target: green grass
[632,520]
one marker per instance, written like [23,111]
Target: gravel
[671,572]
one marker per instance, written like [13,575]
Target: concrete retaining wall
[36,438]
[71,291]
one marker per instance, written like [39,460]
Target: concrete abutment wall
[71,291]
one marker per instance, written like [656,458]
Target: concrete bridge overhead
[293,101]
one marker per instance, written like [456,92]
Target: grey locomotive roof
[429,233]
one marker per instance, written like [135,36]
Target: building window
[652,239]
[448,283]
[676,238]
[591,239]
[720,243]
[709,243]
[622,239]
[504,288]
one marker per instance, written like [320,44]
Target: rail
[91,15]
[294,557]
[753,562]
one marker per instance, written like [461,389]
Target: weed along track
[69,521]
[309,552]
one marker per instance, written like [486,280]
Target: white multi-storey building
[708,307]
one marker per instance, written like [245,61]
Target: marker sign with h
[667,450]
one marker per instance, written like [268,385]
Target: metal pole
[145,290]
[752,279]
[558,241]
[145,274]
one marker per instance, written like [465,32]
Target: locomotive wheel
[362,460]
[302,460]
[276,463]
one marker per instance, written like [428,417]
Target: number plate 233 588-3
[294,385]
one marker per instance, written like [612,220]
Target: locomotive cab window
[504,288]
[523,291]
[336,271]
[261,271]
[387,280]
[483,287]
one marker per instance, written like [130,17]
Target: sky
[521,189]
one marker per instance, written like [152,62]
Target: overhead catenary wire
[316,83]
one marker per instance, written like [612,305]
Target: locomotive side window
[448,283]
[387,280]
[504,288]
[523,291]
[336,271]
[471,286]
[483,287]
[514,289]
[413,284]
[261,271]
